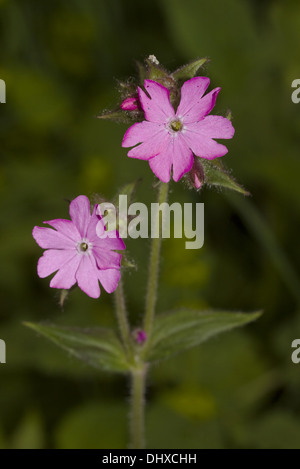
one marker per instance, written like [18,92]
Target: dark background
[60,61]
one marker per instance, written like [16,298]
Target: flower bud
[139,336]
[196,175]
[131,103]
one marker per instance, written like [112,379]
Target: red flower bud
[130,104]
[196,175]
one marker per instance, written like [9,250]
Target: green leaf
[216,175]
[179,330]
[189,70]
[96,346]
[118,116]
[155,71]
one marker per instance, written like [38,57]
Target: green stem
[151,295]
[122,316]
[137,411]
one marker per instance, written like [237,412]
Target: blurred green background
[60,61]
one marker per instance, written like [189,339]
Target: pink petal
[213,127]
[191,92]
[150,148]
[176,153]
[91,231]
[87,276]
[66,227]
[109,279]
[204,146]
[106,259]
[208,102]
[141,131]
[202,107]
[51,239]
[52,260]
[111,240]
[161,166]
[80,213]
[157,108]
[182,157]
[65,277]
[100,228]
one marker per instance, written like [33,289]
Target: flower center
[176,125]
[83,247]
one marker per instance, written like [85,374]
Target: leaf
[189,70]
[179,330]
[118,116]
[98,347]
[216,175]
[155,71]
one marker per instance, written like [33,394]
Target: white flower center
[84,247]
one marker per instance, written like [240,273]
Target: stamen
[83,247]
[176,125]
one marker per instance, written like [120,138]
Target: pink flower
[77,254]
[169,139]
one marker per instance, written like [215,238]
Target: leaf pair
[173,332]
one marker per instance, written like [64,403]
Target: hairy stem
[122,316]
[137,411]
[151,295]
